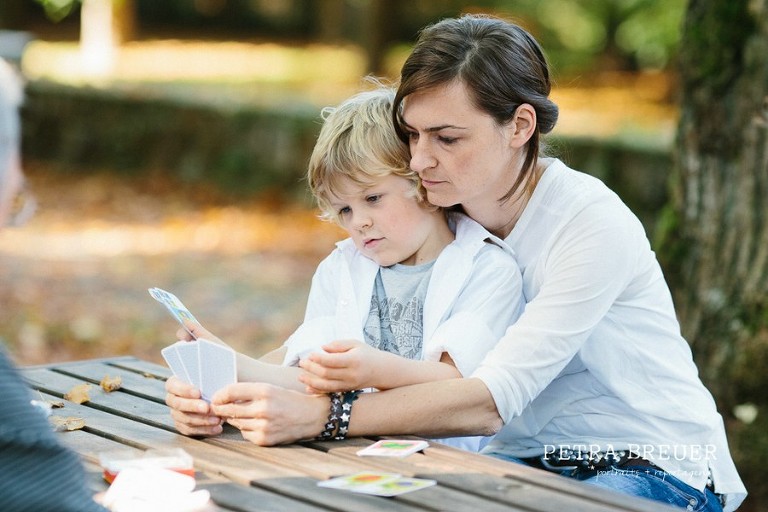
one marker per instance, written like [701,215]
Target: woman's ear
[522,125]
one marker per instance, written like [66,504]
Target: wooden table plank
[146,437]
[504,480]
[251,499]
[140,366]
[118,402]
[541,479]
[280,481]
[315,463]
[243,476]
[227,495]
[459,476]
[132,382]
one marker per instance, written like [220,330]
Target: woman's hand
[268,415]
[345,365]
[191,415]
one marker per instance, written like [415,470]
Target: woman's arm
[269,415]
[435,409]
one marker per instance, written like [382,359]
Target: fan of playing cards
[206,365]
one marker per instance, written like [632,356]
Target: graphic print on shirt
[395,319]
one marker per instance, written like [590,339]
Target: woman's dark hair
[501,65]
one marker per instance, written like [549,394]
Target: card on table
[379,484]
[393,448]
[396,487]
[357,480]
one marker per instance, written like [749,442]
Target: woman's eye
[447,140]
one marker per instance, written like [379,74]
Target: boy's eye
[373,198]
[344,210]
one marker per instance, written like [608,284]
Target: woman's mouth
[430,183]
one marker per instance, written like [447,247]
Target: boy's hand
[345,365]
[193,330]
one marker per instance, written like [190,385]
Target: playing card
[173,359]
[206,365]
[190,358]
[395,487]
[393,448]
[357,480]
[218,367]
[378,484]
[174,306]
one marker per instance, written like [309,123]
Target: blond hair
[358,142]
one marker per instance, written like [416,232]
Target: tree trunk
[104,26]
[720,266]
[378,18]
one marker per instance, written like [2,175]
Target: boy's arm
[350,364]
[268,368]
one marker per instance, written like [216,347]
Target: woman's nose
[421,156]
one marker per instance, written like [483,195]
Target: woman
[594,381]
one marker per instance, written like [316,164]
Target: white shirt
[597,358]
[474,293]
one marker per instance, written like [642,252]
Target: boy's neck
[439,239]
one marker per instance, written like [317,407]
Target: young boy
[414,283]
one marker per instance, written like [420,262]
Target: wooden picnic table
[244,477]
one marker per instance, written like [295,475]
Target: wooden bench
[244,477]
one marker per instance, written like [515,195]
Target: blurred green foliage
[57,10]
[627,35]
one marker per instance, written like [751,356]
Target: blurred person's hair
[357,141]
[11,95]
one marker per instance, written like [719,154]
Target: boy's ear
[522,125]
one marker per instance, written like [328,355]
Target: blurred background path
[75,279]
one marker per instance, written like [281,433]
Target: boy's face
[387,223]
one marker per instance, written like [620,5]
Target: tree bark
[719,261]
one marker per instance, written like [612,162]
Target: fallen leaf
[53,404]
[58,404]
[110,384]
[78,394]
[68,423]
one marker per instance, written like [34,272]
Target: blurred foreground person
[36,472]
